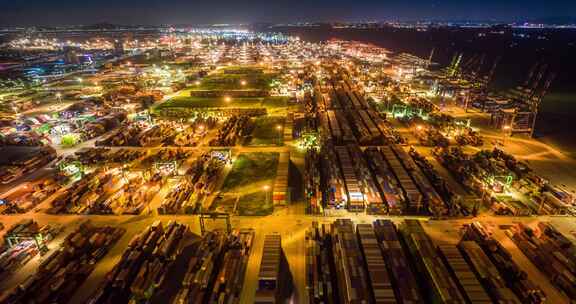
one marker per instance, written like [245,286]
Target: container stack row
[62,272]
[516,279]
[550,252]
[281,195]
[440,286]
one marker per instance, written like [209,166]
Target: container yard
[22,242]
[216,269]
[27,196]
[313,193]
[61,273]
[150,270]
[355,199]
[526,290]
[335,194]
[381,180]
[143,265]
[412,193]
[508,186]
[191,191]
[392,191]
[487,273]
[104,156]
[233,131]
[158,133]
[397,267]
[181,197]
[550,251]
[20,160]
[113,191]
[348,119]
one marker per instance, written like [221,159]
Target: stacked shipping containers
[312,181]
[320,273]
[352,278]
[355,196]
[411,192]
[143,265]
[362,132]
[389,185]
[369,189]
[432,198]
[553,254]
[381,286]
[515,278]
[487,273]
[461,273]
[405,283]
[334,127]
[441,288]
[280,194]
[334,184]
[61,273]
[269,276]
[347,134]
[229,280]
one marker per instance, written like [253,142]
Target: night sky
[27,12]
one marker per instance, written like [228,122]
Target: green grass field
[236,78]
[183,101]
[265,131]
[249,169]
[255,204]
[250,173]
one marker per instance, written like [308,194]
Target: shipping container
[380,282]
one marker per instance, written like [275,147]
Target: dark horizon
[154,12]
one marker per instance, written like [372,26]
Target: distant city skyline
[58,12]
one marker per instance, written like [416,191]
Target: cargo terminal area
[230,166]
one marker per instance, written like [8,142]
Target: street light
[227,99]
[266,189]
[279,128]
[243,82]
[505,128]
